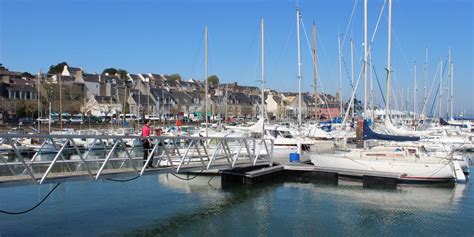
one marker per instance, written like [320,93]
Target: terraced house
[156,94]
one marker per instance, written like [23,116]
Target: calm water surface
[166,206]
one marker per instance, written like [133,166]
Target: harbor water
[164,205]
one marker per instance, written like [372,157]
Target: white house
[102,106]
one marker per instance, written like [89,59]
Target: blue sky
[167,37]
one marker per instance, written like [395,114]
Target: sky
[166,37]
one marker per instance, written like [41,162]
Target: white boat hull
[411,171]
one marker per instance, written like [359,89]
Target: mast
[371,79]
[365,59]
[315,76]
[371,91]
[124,103]
[60,104]
[452,87]
[205,77]
[407,102]
[352,75]
[441,89]
[147,97]
[389,76]
[450,101]
[340,71]
[426,81]
[49,118]
[262,112]
[163,109]
[298,16]
[225,101]
[38,98]
[415,92]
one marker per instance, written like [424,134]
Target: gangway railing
[42,158]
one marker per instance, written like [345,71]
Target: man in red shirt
[146,130]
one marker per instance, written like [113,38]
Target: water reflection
[405,197]
[168,206]
[292,208]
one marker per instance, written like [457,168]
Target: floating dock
[307,172]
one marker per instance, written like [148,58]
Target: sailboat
[410,167]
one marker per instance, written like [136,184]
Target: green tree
[213,80]
[110,71]
[174,77]
[27,75]
[56,69]
[122,73]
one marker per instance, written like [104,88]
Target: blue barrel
[294,157]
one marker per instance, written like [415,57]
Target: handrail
[116,154]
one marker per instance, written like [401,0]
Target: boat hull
[410,171]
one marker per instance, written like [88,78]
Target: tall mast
[371,85]
[147,97]
[262,112]
[441,89]
[315,75]
[452,87]
[49,117]
[352,75]
[124,102]
[139,101]
[225,101]
[365,59]
[450,101]
[407,99]
[389,67]
[38,98]
[60,104]
[426,79]
[415,91]
[298,16]
[340,71]
[205,77]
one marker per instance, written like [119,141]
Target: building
[102,106]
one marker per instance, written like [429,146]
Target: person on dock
[146,130]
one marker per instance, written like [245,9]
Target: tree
[213,80]
[122,73]
[27,75]
[174,77]
[110,71]
[57,69]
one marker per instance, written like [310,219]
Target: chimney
[65,71]
[6,79]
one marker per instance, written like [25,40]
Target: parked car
[152,117]
[92,119]
[44,120]
[76,119]
[26,121]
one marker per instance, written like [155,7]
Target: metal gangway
[43,158]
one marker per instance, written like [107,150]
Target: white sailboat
[408,165]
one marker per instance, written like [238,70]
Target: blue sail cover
[443,122]
[369,134]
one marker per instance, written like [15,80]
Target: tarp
[369,134]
